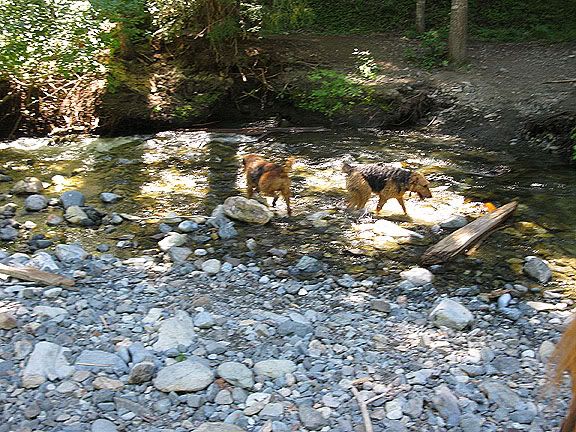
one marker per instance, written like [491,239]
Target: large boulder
[246,210]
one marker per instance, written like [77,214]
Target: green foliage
[367,67]
[286,15]
[180,357]
[331,93]
[41,38]
[433,50]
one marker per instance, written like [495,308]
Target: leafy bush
[433,50]
[45,39]
[332,92]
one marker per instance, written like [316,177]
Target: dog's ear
[346,168]
[420,180]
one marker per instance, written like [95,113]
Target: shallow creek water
[189,173]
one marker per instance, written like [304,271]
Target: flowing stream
[189,173]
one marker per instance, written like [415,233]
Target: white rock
[390,229]
[211,266]
[450,313]
[70,252]
[173,239]
[236,374]
[47,361]
[183,376]
[49,311]
[274,368]
[417,276]
[175,331]
[246,210]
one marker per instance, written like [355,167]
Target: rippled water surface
[189,173]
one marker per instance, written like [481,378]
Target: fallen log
[262,130]
[34,275]
[467,236]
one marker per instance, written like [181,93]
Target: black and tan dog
[385,181]
[268,178]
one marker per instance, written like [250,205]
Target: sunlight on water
[192,172]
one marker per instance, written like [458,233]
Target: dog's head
[420,185]
[347,168]
[250,159]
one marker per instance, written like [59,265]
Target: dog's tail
[347,168]
[564,360]
[288,164]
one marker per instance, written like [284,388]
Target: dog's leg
[286,196]
[250,189]
[275,199]
[401,202]
[381,201]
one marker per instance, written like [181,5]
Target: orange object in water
[490,207]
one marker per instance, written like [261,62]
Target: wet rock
[246,210]
[537,269]
[109,197]
[218,427]
[274,368]
[72,198]
[35,203]
[47,361]
[308,264]
[8,233]
[187,226]
[454,221]
[75,215]
[29,185]
[54,220]
[504,300]
[450,313]
[178,330]
[173,239]
[7,321]
[236,374]
[418,276]
[8,210]
[5,178]
[69,253]
[227,231]
[387,228]
[183,376]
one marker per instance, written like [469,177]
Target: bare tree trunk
[458,36]
[420,7]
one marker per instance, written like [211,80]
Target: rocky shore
[188,338]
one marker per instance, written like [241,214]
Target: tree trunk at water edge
[457,39]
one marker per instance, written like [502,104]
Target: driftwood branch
[467,236]
[34,275]
[264,130]
[563,81]
[368,427]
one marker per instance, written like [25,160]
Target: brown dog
[385,181]
[268,178]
